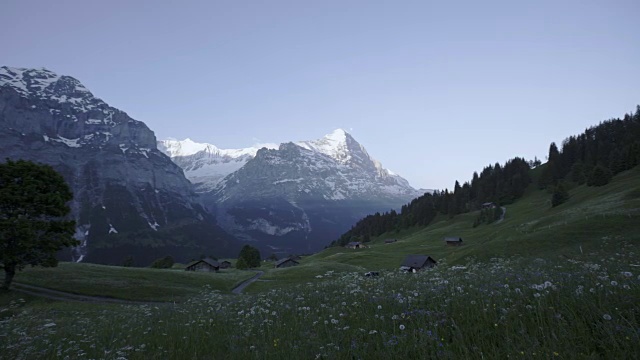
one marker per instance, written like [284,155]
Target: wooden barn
[286,262]
[225,264]
[488,205]
[414,263]
[453,241]
[204,265]
[390,241]
[355,245]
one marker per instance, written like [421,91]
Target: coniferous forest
[591,158]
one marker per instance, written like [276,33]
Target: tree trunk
[9,273]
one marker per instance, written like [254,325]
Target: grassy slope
[531,228]
[130,283]
[593,216]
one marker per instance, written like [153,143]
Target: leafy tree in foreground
[241,264]
[163,263]
[250,255]
[128,261]
[33,207]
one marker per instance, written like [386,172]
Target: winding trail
[66,296]
[504,211]
[238,289]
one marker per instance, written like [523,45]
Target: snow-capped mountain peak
[45,84]
[340,146]
[206,164]
[185,147]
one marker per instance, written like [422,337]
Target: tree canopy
[33,211]
[249,257]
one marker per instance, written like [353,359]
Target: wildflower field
[585,307]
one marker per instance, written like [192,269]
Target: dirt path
[504,211]
[238,289]
[65,296]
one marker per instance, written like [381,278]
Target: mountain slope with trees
[591,158]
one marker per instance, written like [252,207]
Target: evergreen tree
[577,173]
[599,176]
[559,196]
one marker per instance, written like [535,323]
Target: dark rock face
[129,198]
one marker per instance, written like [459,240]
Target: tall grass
[585,307]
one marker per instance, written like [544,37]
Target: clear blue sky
[434,90]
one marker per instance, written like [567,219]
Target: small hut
[355,245]
[225,264]
[488,205]
[415,263]
[390,241]
[204,265]
[286,262]
[453,241]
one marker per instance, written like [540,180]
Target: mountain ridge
[206,165]
[127,194]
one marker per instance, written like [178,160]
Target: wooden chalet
[286,262]
[415,263]
[355,245]
[204,265]
[225,264]
[453,241]
[488,205]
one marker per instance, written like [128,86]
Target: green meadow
[545,282]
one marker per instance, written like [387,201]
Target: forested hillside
[592,157]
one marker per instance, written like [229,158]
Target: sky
[434,90]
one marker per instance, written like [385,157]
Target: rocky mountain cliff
[294,198]
[129,197]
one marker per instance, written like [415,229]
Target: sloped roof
[282,261]
[416,261]
[209,261]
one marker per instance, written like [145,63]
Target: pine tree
[559,196]
[599,176]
